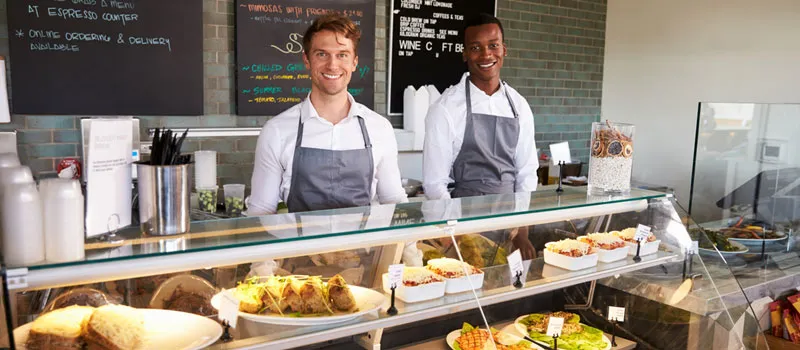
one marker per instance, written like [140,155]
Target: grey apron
[328,179]
[485,164]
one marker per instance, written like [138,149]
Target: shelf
[541,278]
[244,240]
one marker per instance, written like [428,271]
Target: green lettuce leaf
[466,328]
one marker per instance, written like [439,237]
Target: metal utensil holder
[164,199]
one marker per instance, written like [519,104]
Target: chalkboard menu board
[106,57]
[270,74]
[426,44]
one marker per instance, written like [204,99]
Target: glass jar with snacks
[611,160]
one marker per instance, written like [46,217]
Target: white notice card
[616,313]
[108,176]
[229,308]
[515,265]
[554,326]
[396,275]
[642,232]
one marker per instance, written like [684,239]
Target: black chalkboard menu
[106,57]
[270,74]
[426,44]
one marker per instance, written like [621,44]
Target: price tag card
[554,326]
[694,248]
[642,232]
[229,308]
[616,314]
[396,275]
[515,265]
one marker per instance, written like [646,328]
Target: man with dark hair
[479,134]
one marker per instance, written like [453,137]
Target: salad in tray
[574,335]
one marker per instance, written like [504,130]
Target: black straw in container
[167,148]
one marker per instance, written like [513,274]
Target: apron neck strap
[364,133]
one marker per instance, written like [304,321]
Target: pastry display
[648,246]
[451,268]
[419,284]
[574,335]
[570,254]
[629,234]
[459,276]
[301,295]
[609,247]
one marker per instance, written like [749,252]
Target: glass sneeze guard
[280,228]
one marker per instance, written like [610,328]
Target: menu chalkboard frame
[392,85]
[128,75]
[366,54]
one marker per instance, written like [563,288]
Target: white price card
[616,313]
[554,326]
[695,248]
[515,265]
[229,308]
[396,275]
[642,232]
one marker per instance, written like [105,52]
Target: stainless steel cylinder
[164,199]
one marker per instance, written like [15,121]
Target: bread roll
[291,294]
[59,329]
[314,297]
[273,297]
[115,327]
[340,294]
[249,296]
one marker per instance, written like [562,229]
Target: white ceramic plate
[522,329]
[367,300]
[452,336]
[742,249]
[754,241]
[188,283]
[195,332]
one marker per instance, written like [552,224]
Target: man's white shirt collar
[308,110]
[475,90]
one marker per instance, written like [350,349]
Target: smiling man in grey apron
[329,151]
[479,134]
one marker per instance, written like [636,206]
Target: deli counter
[321,279]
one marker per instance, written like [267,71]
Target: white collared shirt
[272,173]
[444,133]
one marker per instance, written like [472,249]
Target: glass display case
[745,194]
[321,279]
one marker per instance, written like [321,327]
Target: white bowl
[415,294]
[462,284]
[646,249]
[607,256]
[568,262]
